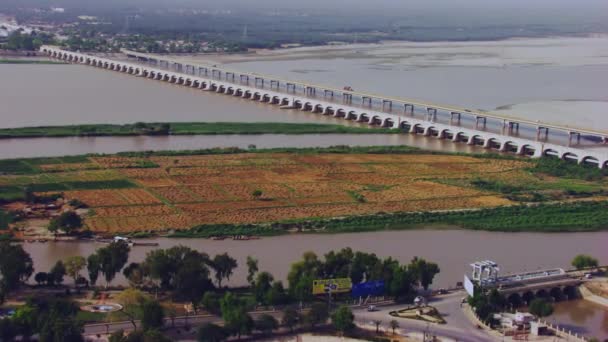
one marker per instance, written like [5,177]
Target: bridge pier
[542,132]
[410,106]
[572,135]
[385,104]
[481,119]
[347,98]
[366,99]
[454,114]
[431,114]
[513,127]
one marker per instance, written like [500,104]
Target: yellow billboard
[339,285]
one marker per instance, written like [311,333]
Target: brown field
[185,191]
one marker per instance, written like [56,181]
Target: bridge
[522,287]
[492,131]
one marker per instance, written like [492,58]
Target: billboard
[339,285]
[369,288]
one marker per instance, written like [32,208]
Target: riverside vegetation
[186,276]
[233,191]
[185,128]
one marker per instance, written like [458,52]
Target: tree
[211,333]
[153,315]
[223,264]
[394,325]
[73,266]
[236,319]
[60,330]
[291,317]
[160,266]
[49,317]
[112,259]
[317,314]
[55,276]
[138,336]
[277,294]
[263,283]
[257,193]
[377,324]
[191,280]
[301,276]
[540,307]
[252,269]
[93,268]
[8,330]
[41,277]
[67,222]
[266,324]
[400,285]
[135,273]
[343,319]
[582,261]
[132,301]
[211,302]
[16,266]
[423,271]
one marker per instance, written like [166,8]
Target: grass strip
[27,61]
[186,128]
[570,217]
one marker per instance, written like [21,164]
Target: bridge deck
[399,100]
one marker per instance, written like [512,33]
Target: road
[458,327]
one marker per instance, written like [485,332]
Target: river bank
[185,128]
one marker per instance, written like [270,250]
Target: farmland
[183,192]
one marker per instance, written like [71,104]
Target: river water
[45,147]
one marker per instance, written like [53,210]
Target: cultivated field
[160,193]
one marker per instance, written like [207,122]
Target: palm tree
[394,325]
[377,324]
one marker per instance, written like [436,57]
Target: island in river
[221,192]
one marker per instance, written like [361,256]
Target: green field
[186,128]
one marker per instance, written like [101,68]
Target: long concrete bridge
[492,131]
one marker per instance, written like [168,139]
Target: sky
[360,4]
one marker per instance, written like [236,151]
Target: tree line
[199,279]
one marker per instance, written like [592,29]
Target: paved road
[458,327]
[94,329]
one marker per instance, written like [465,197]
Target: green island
[252,192]
[185,128]
[28,61]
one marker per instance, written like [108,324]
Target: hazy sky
[361,4]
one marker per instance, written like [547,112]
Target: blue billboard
[369,288]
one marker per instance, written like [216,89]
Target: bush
[582,261]
[540,307]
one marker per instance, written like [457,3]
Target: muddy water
[582,317]
[37,95]
[453,250]
[44,147]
